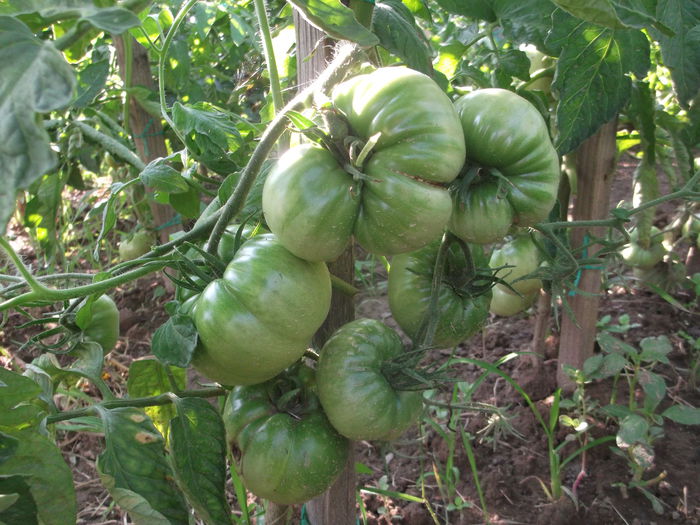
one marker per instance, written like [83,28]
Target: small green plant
[622,326]
[640,420]
[693,345]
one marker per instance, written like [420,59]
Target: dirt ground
[510,452]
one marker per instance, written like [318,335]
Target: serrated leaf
[396,28]
[161,177]
[683,414]
[515,63]
[135,470]
[175,340]
[88,363]
[599,12]
[633,429]
[210,134]
[34,78]
[40,462]
[16,502]
[198,443]
[148,377]
[681,51]
[92,78]
[480,9]
[336,20]
[655,349]
[526,21]
[590,78]
[114,20]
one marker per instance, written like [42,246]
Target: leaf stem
[151,401]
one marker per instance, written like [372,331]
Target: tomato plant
[282,456]
[462,310]
[259,318]
[358,398]
[513,169]
[392,199]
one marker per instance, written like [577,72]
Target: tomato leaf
[39,461]
[92,78]
[161,177]
[681,51]
[175,340]
[336,20]
[599,12]
[34,78]
[396,28]
[149,377]
[15,389]
[16,502]
[198,443]
[135,471]
[591,80]
[114,20]
[481,9]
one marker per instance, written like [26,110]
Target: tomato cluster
[394,181]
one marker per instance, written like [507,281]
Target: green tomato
[280,457]
[259,318]
[356,396]
[397,203]
[410,282]
[103,327]
[506,304]
[522,254]
[135,246]
[514,173]
[638,256]
[691,227]
[228,245]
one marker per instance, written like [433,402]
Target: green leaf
[114,20]
[336,20]
[515,63]
[683,414]
[612,344]
[617,411]
[92,78]
[681,51]
[592,365]
[655,349]
[15,389]
[654,388]
[175,340]
[135,471]
[210,134]
[613,364]
[633,429]
[590,78]
[39,461]
[8,447]
[148,377]
[396,28]
[599,12]
[187,203]
[198,443]
[16,502]
[525,21]
[88,363]
[34,78]
[480,9]
[161,177]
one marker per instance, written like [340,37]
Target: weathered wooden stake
[595,167]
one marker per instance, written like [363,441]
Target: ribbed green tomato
[397,204]
[505,303]
[103,327]
[638,256]
[282,458]
[135,246]
[410,282]
[259,318]
[514,166]
[522,254]
[356,396]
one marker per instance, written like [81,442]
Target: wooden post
[337,505]
[595,167]
[146,130]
